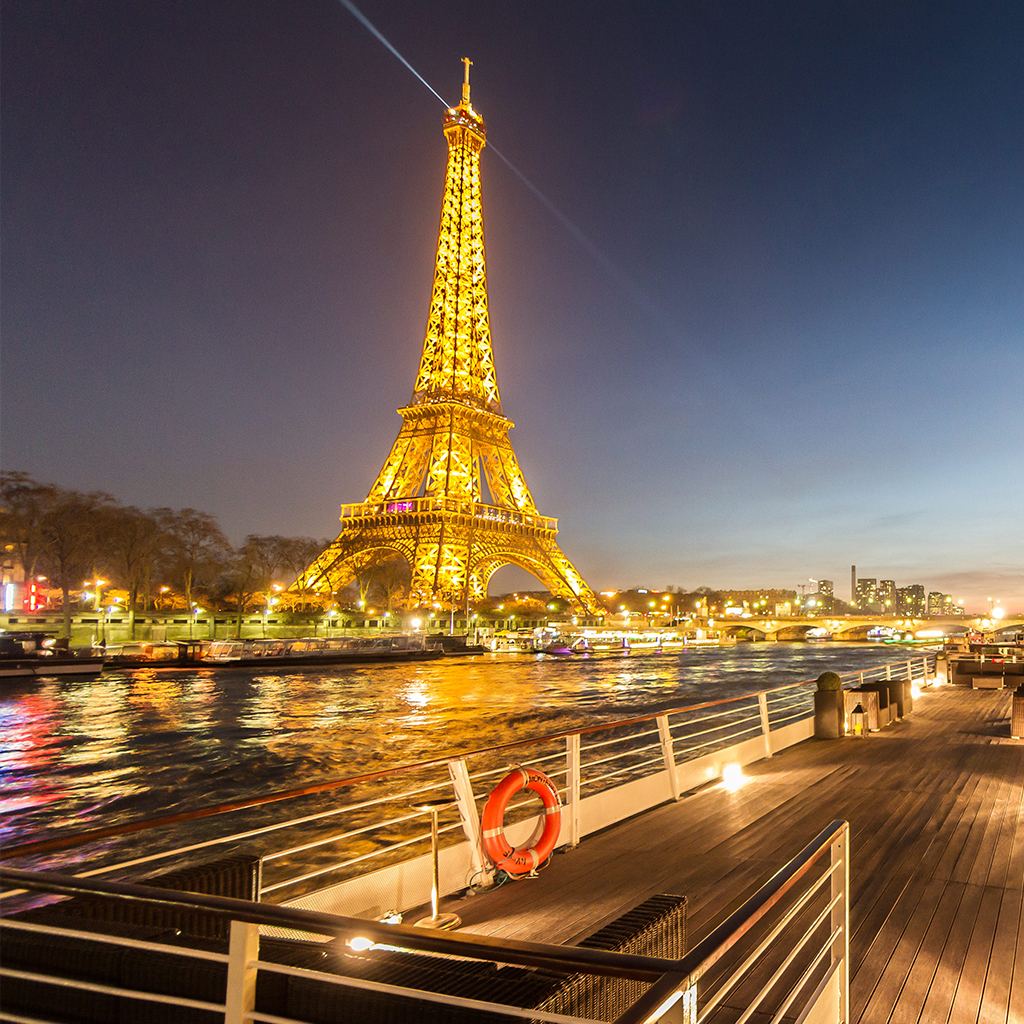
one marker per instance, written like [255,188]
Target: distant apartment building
[825,595]
[943,604]
[887,596]
[911,600]
[867,594]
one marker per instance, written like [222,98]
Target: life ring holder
[504,855]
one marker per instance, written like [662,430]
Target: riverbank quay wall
[90,628]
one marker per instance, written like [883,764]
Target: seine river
[84,753]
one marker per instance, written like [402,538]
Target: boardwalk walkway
[936,810]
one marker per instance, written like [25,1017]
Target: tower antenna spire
[465,83]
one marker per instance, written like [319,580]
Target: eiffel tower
[427,502]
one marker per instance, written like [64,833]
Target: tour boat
[311,652]
[152,653]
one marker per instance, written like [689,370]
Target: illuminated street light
[97,596]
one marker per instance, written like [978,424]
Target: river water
[88,753]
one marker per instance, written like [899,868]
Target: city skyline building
[866,595]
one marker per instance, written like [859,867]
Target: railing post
[572,782]
[910,670]
[840,854]
[243,952]
[665,735]
[463,789]
[888,671]
[762,704]
[860,678]
[924,670]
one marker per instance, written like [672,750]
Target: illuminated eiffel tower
[427,503]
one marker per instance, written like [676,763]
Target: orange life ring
[499,849]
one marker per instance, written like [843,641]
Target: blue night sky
[801,344]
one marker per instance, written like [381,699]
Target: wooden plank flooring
[936,810]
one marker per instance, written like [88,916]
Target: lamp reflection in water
[436,920]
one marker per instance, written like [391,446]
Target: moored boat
[310,652]
[24,655]
[153,654]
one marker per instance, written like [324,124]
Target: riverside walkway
[936,811]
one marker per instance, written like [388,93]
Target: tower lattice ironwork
[427,503]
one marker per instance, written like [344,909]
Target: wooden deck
[936,810]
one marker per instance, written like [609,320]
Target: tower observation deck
[427,502]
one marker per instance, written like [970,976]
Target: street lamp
[97,597]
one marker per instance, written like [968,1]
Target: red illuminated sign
[35,597]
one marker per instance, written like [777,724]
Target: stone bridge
[857,627]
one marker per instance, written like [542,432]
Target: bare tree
[255,564]
[70,531]
[23,504]
[297,555]
[132,540]
[196,551]
[392,577]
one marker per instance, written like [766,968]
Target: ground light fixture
[733,777]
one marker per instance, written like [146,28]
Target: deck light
[733,777]
[857,720]
[360,943]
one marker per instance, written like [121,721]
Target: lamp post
[97,595]
[436,920]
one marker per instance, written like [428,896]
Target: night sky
[800,344]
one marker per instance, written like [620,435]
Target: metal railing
[786,948]
[359,846]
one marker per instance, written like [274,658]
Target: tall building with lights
[429,503]
[867,593]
